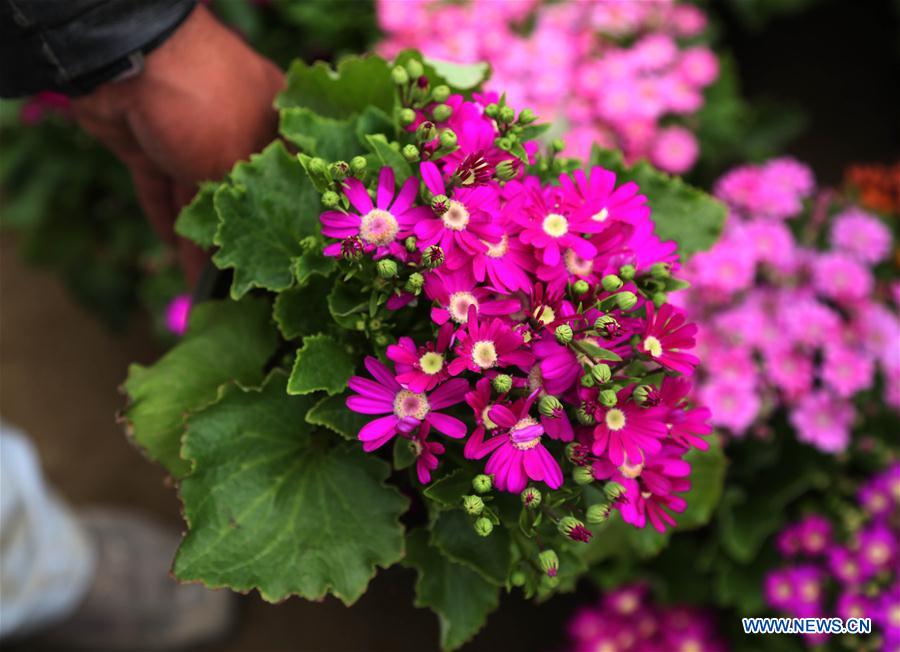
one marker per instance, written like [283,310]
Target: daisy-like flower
[628,429]
[488,345]
[685,424]
[379,225]
[594,196]
[505,263]
[421,368]
[406,410]
[668,333]
[456,292]
[823,421]
[517,454]
[426,453]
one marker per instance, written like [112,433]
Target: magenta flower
[488,345]
[421,368]
[650,489]
[877,550]
[685,424]
[675,150]
[426,454]
[847,371]
[177,313]
[861,235]
[823,421]
[668,333]
[406,410]
[628,431]
[380,225]
[456,292]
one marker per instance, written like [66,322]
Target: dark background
[59,368]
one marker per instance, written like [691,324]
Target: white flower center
[545,315]
[459,306]
[484,354]
[615,419]
[555,225]
[535,378]
[410,404]
[520,425]
[486,419]
[601,215]
[431,363]
[378,227]
[653,346]
[631,470]
[457,217]
[497,249]
[577,265]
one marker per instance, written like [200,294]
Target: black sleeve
[72,46]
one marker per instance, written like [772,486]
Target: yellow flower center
[378,227]
[809,591]
[631,470]
[577,265]
[878,553]
[545,315]
[431,363]
[486,419]
[484,354]
[555,225]
[459,306]
[894,615]
[615,419]
[653,346]
[457,216]
[531,443]
[601,215]
[410,404]
[497,249]
[690,646]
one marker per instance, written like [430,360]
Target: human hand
[202,102]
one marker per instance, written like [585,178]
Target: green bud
[613,490]
[531,498]
[407,116]
[567,524]
[440,93]
[414,283]
[603,321]
[641,393]
[548,405]
[611,283]
[440,204]
[502,383]
[582,475]
[608,398]
[426,132]
[557,145]
[581,287]
[482,483]
[549,562]
[659,298]
[433,257]
[317,166]
[330,199]
[549,582]
[399,75]
[505,170]
[441,112]
[587,380]
[517,578]
[381,339]
[414,68]
[473,505]
[448,138]
[506,115]
[483,526]
[575,452]
[491,110]
[601,373]
[410,153]
[626,300]
[387,268]
[563,334]
[504,143]
[598,513]
[340,170]
[358,164]
[584,417]
[526,116]
[660,270]
[627,272]
[410,244]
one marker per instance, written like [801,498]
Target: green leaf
[598,352]
[707,480]
[374,121]
[198,220]
[270,507]
[681,212]
[387,155]
[331,139]
[461,76]
[455,537]
[332,413]
[267,209]
[403,454]
[460,597]
[356,84]
[346,305]
[321,364]
[449,490]
[313,262]
[225,341]
[301,310]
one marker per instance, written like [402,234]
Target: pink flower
[685,424]
[823,421]
[699,66]
[489,345]
[380,225]
[732,407]
[675,150]
[177,313]
[426,454]
[628,431]
[840,277]
[847,371]
[667,334]
[421,368]
[456,292]
[861,235]
[406,410]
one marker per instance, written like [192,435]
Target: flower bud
[571,527]
[626,300]
[563,334]
[441,112]
[577,453]
[351,248]
[598,513]
[607,398]
[642,393]
[502,383]
[309,243]
[584,417]
[317,165]
[504,143]
[340,170]
[517,578]
[588,381]
[433,257]
[581,287]
[557,145]
[659,298]
[611,283]
[601,373]
[387,268]
[526,116]
[414,283]
[440,204]
[410,244]
[531,497]
[483,526]
[473,505]
[491,110]
[549,562]
[440,93]
[582,475]
[448,138]
[482,483]
[613,490]
[627,272]
[399,75]
[330,199]
[506,114]
[426,132]
[548,405]
[358,164]
[506,170]
[414,68]
[660,270]
[407,116]
[410,153]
